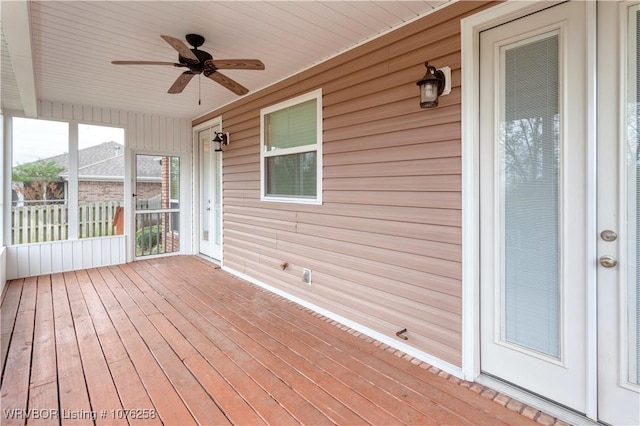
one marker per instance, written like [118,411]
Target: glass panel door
[533,169]
[210,161]
[157,205]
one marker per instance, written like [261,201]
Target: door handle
[608,261]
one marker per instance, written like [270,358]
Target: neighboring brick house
[101,183]
[101,173]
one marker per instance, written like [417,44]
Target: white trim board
[16,26]
[3,268]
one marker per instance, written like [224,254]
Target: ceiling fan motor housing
[199,67]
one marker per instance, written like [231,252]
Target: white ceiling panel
[8,86]
[74,42]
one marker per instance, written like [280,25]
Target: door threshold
[563,413]
[209,259]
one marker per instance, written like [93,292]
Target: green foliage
[42,171]
[38,181]
[147,238]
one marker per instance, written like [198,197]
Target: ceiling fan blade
[183,49]
[146,63]
[236,64]
[182,81]
[222,79]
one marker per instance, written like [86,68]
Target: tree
[38,180]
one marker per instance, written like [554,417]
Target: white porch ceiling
[74,42]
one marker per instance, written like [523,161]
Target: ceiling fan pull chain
[199,97]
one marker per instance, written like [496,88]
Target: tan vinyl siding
[385,245]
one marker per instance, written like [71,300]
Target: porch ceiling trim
[16,26]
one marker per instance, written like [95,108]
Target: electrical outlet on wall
[306,276]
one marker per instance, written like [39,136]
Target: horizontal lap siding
[385,246]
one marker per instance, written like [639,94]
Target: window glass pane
[39,181]
[171,188]
[291,127]
[291,175]
[148,182]
[217,189]
[206,181]
[174,190]
[100,181]
[530,177]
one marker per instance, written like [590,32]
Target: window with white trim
[49,184]
[291,150]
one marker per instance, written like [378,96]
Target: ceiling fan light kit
[201,62]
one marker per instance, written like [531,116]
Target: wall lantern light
[220,139]
[435,83]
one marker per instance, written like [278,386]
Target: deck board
[43,366]
[177,341]
[165,398]
[131,391]
[18,367]
[10,304]
[43,387]
[104,395]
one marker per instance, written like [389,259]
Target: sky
[37,139]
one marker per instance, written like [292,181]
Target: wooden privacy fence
[96,219]
[50,222]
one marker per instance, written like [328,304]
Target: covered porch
[175,340]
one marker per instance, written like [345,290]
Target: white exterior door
[534,203]
[618,213]
[560,207]
[210,197]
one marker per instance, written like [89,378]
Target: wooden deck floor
[177,341]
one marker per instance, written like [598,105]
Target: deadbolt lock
[608,235]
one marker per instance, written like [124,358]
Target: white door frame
[214,122]
[130,229]
[617,41]
[470,38]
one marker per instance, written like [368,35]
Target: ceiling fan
[201,62]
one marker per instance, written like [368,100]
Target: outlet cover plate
[306,276]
